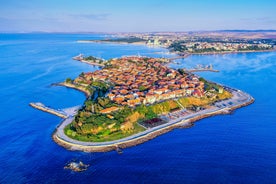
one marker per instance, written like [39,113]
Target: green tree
[142,88]
[68,80]
[103,101]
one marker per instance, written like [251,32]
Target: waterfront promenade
[238,100]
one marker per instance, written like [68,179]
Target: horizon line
[116,32]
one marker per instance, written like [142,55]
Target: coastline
[73,86]
[188,54]
[49,110]
[91,63]
[110,42]
[71,144]
[61,139]
[232,52]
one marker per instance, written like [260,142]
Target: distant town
[200,42]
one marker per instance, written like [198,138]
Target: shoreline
[61,139]
[48,110]
[222,53]
[239,99]
[91,63]
[232,52]
[172,52]
[110,42]
[73,86]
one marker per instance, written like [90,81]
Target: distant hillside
[245,31]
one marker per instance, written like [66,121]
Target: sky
[135,15]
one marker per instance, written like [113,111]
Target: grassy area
[90,125]
[102,138]
[224,95]
[204,101]
[142,112]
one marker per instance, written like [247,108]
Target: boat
[77,166]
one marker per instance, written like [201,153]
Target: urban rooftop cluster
[218,46]
[204,42]
[142,80]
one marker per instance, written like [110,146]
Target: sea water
[236,148]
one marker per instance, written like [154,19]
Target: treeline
[131,39]
[94,59]
[89,123]
[178,47]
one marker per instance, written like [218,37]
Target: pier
[63,113]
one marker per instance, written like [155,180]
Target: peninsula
[133,99]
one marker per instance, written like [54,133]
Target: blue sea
[235,148]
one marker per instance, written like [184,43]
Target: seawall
[139,140]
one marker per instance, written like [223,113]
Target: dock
[63,113]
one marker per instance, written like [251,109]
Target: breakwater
[42,107]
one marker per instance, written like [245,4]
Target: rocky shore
[71,85]
[91,63]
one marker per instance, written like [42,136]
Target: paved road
[238,98]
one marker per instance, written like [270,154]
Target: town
[141,80]
[185,43]
[134,93]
